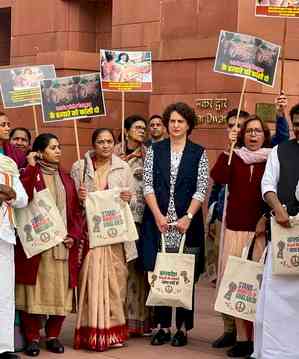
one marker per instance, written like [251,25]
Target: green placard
[266,111]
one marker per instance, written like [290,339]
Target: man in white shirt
[276,327]
[12,194]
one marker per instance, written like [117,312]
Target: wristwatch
[189,215]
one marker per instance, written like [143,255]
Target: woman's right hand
[162,223]
[282,216]
[82,193]
[31,158]
[233,135]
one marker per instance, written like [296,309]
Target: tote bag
[40,225]
[240,286]
[171,283]
[109,219]
[285,248]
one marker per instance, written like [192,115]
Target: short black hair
[109,56]
[123,54]
[234,113]
[14,130]
[129,121]
[98,131]
[42,141]
[294,111]
[184,110]
[155,116]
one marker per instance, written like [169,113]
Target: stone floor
[208,326]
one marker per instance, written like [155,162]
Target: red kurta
[245,204]
[26,269]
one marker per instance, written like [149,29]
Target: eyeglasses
[254,131]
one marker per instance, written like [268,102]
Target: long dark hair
[42,141]
[267,134]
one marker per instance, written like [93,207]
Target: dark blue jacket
[184,189]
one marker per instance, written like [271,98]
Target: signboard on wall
[211,111]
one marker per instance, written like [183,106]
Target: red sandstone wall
[182,35]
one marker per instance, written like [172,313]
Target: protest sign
[20,85]
[277,8]
[72,97]
[247,56]
[126,71]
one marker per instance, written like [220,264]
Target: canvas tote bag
[40,225]
[240,286]
[109,219]
[285,247]
[171,283]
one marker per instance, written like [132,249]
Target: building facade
[182,35]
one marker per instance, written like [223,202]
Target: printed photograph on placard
[20,85]
[247,56]
[277,8]
[126,70]
[72,97]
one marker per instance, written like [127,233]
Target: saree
[101,321]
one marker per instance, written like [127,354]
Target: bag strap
[264,256]
[248,249]
[84,169]
[182,244]
[163,247]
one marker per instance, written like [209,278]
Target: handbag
[171,282]
[109,219]
[285,247]
[240,285]
[40,225]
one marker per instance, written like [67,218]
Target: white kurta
[7,267]
[7,305]
[276,326]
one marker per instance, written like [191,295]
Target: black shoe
[226,340]
[250,357]
[32,349]
[241,349]
[161,337]
[54,346]
[9,355]
[179,339]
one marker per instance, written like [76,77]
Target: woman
[101,322]
[245,205]
[46,281]
[138,315]
[175,186]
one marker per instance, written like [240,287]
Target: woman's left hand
[68,242]
[183,224]
[126,196]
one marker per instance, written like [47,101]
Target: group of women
[165,186]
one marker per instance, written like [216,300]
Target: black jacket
[185,187]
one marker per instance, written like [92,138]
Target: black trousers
[163,315]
